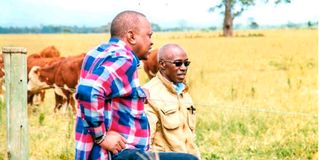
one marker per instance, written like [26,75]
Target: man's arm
[91,101]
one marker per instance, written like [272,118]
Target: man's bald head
[167,51]
[125,21]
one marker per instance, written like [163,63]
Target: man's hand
[113,142]
[146,91]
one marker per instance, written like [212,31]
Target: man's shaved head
[125,21]
[167,51]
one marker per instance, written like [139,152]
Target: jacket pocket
[170,118]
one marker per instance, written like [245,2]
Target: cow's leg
[30,98]
[68,91]
[61,95]
[42,94]
[36,99]
[59,102]
[69,99]
[72,103]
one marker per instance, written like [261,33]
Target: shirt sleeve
[110,79]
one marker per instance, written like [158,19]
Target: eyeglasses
[179,63]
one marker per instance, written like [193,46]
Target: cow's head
[36,81]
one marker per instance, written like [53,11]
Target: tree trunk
[228,20]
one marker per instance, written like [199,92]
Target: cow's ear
[131,37]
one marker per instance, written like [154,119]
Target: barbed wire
[244,108]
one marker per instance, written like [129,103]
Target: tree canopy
[231,9]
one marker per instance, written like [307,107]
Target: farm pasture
[256,93]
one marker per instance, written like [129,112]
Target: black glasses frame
[179,63]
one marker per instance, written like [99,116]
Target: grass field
[256,93]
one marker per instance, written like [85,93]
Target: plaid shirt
[110,98]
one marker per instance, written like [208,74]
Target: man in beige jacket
[169,108]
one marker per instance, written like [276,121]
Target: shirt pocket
[191,117]
[170,118]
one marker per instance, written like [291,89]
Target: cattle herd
[49,70]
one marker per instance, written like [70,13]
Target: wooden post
[16,102]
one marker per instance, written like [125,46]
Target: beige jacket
[171,118]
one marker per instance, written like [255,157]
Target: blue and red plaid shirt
[110,99]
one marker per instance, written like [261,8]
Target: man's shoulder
[153,84]
[111,49]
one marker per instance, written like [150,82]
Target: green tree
[155,27]
[234,8]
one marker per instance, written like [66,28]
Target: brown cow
[32,60]
[2,87]
[50,52]
[63,75]
[67,78]
[34,55]
[35,60]
[150,65]
[1,66]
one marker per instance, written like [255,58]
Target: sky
[166,13]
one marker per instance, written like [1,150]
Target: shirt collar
[120,43]
[176,89]
[179,87]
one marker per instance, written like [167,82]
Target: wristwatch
[99,139]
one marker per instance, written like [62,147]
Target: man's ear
[162,65]
[131,37]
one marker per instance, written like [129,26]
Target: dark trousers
[135,154]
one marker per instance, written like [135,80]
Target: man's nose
[183,67]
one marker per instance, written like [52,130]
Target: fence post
[16,102]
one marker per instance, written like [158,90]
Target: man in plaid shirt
[111,122]
[110,114]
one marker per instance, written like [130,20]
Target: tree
[234,8]
[252,23]
[155,27]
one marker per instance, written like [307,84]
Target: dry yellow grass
[256,95]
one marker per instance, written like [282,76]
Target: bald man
[169,108]
[111,122]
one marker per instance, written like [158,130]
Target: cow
[34,55]
[67,78]
[34,86]
[35,60]
[45,57]
[1,66]
[2,87]
[63,75]
[150,65]
[50,52]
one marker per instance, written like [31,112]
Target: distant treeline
[156,28]
[53,29]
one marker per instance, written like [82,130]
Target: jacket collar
[169,85]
